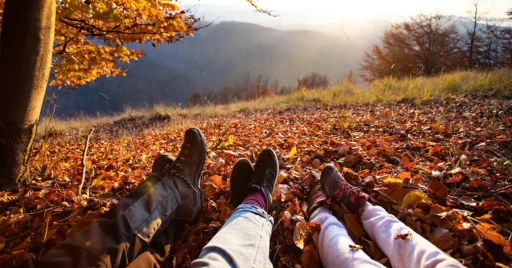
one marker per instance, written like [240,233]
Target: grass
[386,90]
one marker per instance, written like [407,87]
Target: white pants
[333,242]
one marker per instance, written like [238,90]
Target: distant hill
[215,55]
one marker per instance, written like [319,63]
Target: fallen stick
[84,158]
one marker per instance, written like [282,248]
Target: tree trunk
[26,44]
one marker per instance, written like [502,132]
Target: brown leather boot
[185,173]
[162,161]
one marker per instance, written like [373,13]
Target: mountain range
[220,53]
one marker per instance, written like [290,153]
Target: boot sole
[197,179]
[270,207]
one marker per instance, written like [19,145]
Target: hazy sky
[323,11]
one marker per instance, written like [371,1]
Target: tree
[472,39]
[491,51]
[82,40]
[25,59]
[91,36]
[506,46]
[425,45]
[313,81]
[350,78]
[505,37]
[197,98]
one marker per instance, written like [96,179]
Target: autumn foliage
[313,81]
[441,166]
[431,44]
[91,36]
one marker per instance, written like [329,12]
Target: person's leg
[116,239]
[333,241]
[383,227]
[244,239]
[413,252]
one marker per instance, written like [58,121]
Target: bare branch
[84,160]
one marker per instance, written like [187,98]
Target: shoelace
[175,169]
[318,199]
[347,192]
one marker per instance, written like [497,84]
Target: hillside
[438,159]
[215,55]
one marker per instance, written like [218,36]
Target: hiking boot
[340,192]
[162,161]
[240,177]
[317,199]
[265,176]
[185,172]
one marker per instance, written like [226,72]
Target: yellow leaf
[484,218]
[413,198]
[231,140]
[224,144]
[300,233]
[392,182]
[292,152]
[221,145]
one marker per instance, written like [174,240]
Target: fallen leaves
[405,236]
[310,257]
[438,190]
[440,173]
[215,180]
[292,153]
[443,239]
[300,233]
[489,232]
[353,224]
[434,150]
[413,198]
[355,247]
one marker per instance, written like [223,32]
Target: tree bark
[26,44]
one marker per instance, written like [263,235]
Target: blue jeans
[243,241]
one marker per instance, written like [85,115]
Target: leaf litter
[443,167]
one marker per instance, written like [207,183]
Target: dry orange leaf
[310,257]
[434,150]
[215,180]
[286,218]
[282,175]
[438,190]
[353,225]
[487,231]
[405,236]
[405,176]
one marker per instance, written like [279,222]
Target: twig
[45,234]
[84,158]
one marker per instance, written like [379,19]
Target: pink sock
[255,198]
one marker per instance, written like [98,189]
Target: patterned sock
[255,198]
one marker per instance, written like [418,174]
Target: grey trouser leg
[138,230]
